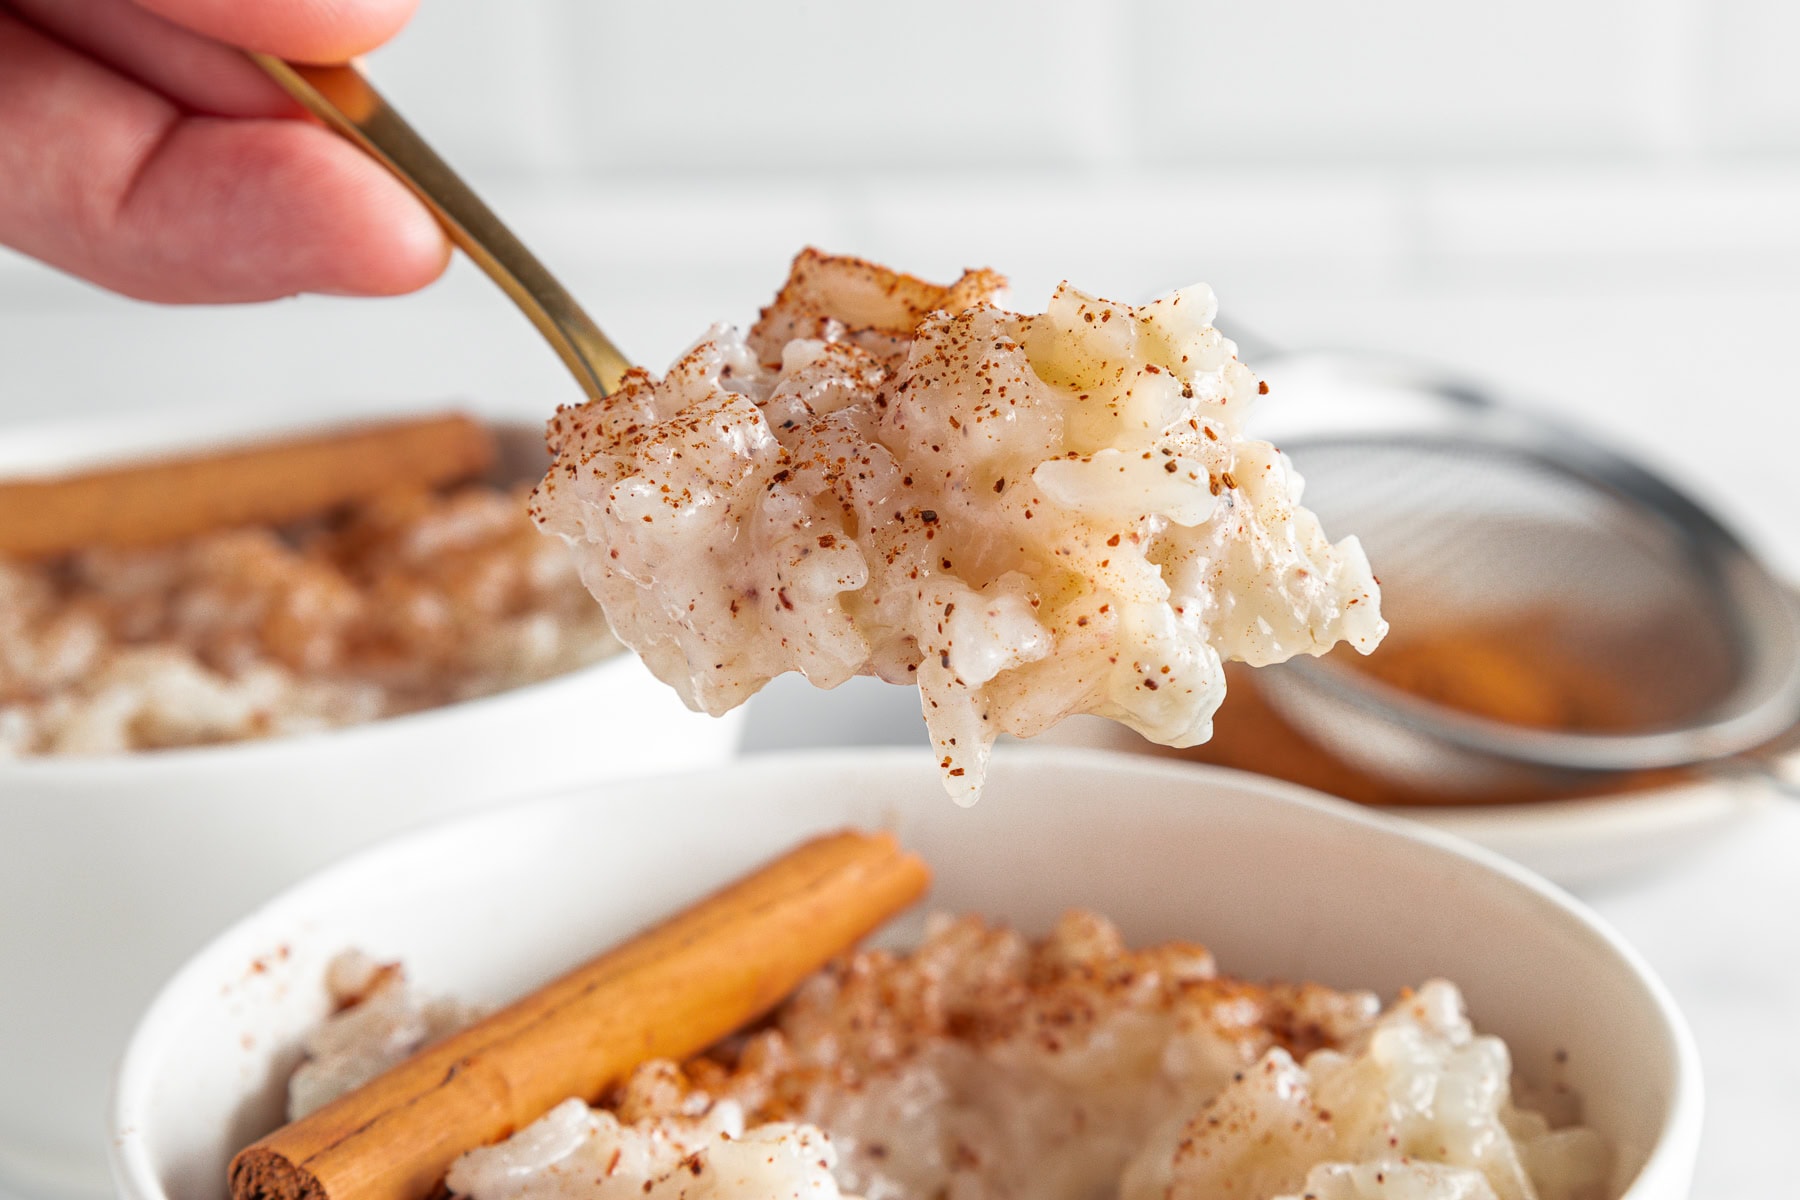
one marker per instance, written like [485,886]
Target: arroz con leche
[1028,516]
[985,1065]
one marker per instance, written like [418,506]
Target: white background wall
[1597,200]
[600,85]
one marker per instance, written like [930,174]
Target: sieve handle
[1777,772]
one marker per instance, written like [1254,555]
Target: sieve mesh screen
[1521,590]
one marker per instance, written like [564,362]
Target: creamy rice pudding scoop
[1029,516]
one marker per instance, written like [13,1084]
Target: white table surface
[1691,369]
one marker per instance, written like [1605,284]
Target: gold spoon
[341,97]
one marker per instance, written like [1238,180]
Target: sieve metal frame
[1459,413]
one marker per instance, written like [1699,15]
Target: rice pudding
[1028,516]
[984,1064]
[408,601]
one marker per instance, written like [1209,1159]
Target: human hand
[139,149]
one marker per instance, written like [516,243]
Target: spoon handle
[346,101]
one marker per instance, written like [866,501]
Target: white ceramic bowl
[113,869]
[1279,882]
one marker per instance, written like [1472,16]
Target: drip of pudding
[1028,516]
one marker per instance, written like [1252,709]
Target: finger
[232,210]
[196,72]
[314,31]
[113,183]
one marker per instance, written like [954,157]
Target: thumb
[312,31]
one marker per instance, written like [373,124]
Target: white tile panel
[484,81]
[1132,236]
[791,85]
[1725,209]
[1751,74]
[1404,79]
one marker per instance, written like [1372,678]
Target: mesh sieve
[1615,624]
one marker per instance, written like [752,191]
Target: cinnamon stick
[667,993]
[265,484]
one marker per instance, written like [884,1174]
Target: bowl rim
[133,1165]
